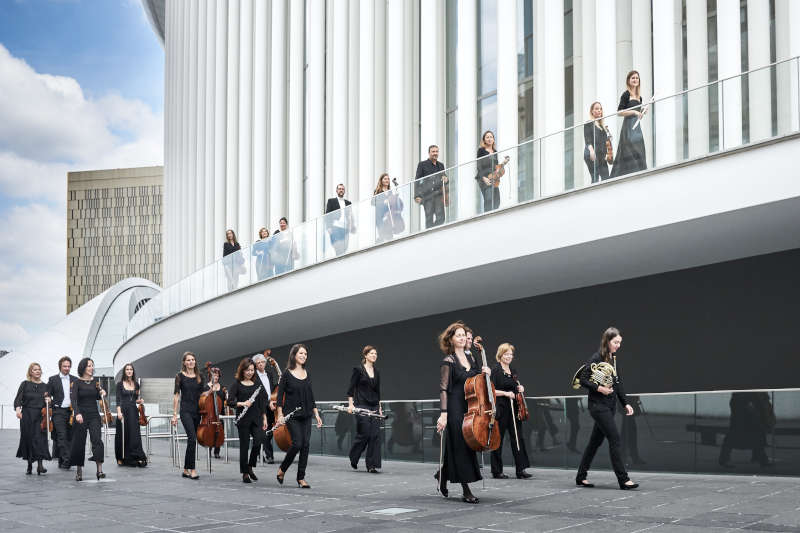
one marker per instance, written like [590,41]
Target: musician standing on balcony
[487,164]
[430,187]
[602,405]
[365,393]
[246,395]
[339,225]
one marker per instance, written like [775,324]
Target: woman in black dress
[487,163]
[595,136]
[294,390]
[251,412]
[631,156]
[365,392]
[234,265]
[188,388]
[460,462]
[31,397]
[602,405]
[128,450]
[85,393]
[506,385]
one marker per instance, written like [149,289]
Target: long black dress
[631,155]
[32,440]
[460,462]
[507,382]
[134,453]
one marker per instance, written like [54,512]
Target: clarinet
[246,407]
[360,411]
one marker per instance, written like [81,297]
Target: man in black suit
[340,225]
[429,187]
[268,376]
[59,387]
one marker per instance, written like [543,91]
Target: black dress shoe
[252,475]
[470,499]
[623,486]
[246,478]
[270,460]
[373,471]
[40,470]
[184,474]
[523,475]
[29,471]
[279,477]
[584,484]
[353,465]
[303,485]
[500,476]
[194,477]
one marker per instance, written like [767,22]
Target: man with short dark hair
[340,225]
[59,387]
[429,187]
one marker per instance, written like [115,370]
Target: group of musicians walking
[269,402]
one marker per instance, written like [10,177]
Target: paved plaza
[401,499]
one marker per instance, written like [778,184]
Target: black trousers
[434,210]
[300,430]
[604,428]
[91,423]
[249,428]
[368,435]
[190,422]
[266,440]
[491,198]
[598,169]
[520,455]
[62,434]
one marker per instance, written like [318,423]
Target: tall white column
[760,81]
[296,87]
[167,195]
[245,225]
[261,100]
[729,61]
[232,130]
[507,97]
[666,61]
[351,177]
[787,45]
[199,237]
[549,100]
[607,74]
[277,116]
[367,175]
[624,27]
[641,61]
[380,87]
[220,123]
[337,101]
[192,206]
[396,110]
[432,79]
[208,150]
[697,75]
[467,100]
[315,108]
[183,202]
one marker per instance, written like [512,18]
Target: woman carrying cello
[459,461]
[188,387]
[506,388]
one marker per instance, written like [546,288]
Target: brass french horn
[601,373]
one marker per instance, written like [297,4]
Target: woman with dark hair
[283,250]
[602,406]
[506,386]
[234,265]
[251,414]
[631,155]
[85,393]
[595,135]
[388,210]
[460,462]
[365,393]
[214,381]
[128,437]
[294,390]
[30,399]
[260,251]
[188,388]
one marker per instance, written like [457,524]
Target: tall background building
[113,229]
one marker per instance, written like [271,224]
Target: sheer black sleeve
[19,399]
[119,393]
[281,392]
[177,388]
[445,387]
[354,378]
[624,101]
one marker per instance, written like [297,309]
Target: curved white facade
[270,104]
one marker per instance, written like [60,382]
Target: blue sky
[81,88]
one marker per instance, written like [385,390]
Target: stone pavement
[401,499]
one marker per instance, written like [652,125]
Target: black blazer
[333,204]
[55,389]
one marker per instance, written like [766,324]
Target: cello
[480,429]
[211,430]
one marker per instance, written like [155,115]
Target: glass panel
[658,435]
[785,432]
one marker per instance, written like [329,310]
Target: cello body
[211,430]
[480,429]
[282,437]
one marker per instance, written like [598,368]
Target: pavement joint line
[569,526]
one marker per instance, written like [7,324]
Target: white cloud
[49,127]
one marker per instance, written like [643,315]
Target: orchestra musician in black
[267,374]
[58,386]
[246,394]
[430,187]
[602,406]
[128,436]
[459,461]
[506,385]
[188,388]
[86,391]
[30,399]
[214,373]
[365,393]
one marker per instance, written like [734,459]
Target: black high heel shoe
[583,483]
[303,485]
[40,470]
[252,475]
[101,475]
[442,485]
[29,471]
[79,474]
[280,475]
[246,478]
[468,497]
[623,486]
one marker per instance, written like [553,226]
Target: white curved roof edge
[156,14]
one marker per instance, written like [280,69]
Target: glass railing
[754,106]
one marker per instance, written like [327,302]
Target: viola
[480,428]
[522,405]
[105,416]
[47,416]
[211,430]
[609,147]
[142,416]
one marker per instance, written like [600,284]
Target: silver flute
[360,411]
[246,407]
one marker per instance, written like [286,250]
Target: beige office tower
[113,229]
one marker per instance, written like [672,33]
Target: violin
[211,430]
[106,417]
[273,397]
[142,416]
[480,428]
[47,416]
[609,147]
[522,405]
